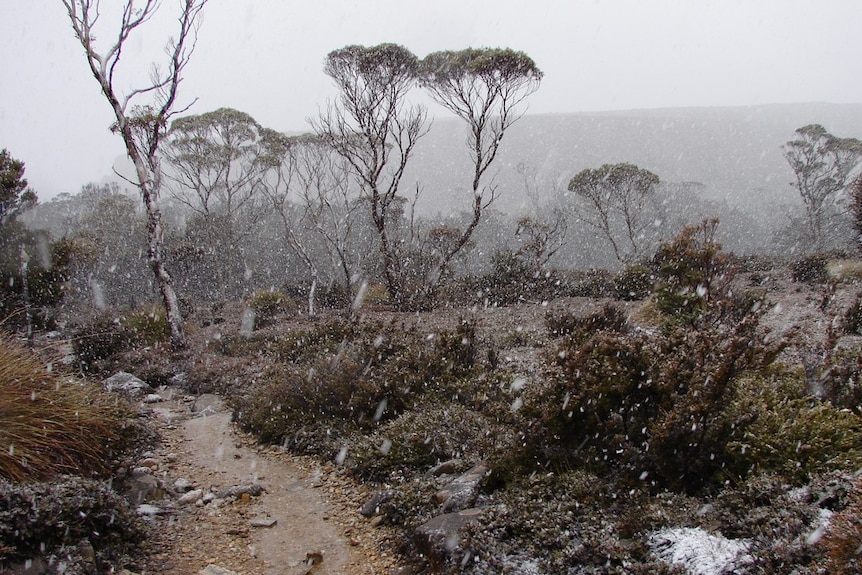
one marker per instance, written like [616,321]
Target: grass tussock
[50,425]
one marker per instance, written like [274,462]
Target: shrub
[843,539]
[634,283]
[693,275]
[638,406]
[107,335]
[356,377]
[852,321]
[610,318]
[778,428]
[266,305]
[49,425]
[40,519]
[841,379]
[810,269]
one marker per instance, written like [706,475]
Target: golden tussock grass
[50,424]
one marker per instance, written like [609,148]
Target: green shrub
[852,321]
[693,277]
[610,318]
[640,406]
[266,305]
[778,428]
[634,283]
[841,379]
[107,335]
[352,377]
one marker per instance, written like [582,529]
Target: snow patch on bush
[699,552]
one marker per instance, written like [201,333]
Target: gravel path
[304,521]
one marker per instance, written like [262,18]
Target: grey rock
[141,487]
[263,521]
[439,537]
[153,398]
[190,497]
[34,566]
[216,570]
[148,510]
[207,404]
[462,492]
[127,384]
[372,507]
[182,485]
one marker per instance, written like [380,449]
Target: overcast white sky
[265,57]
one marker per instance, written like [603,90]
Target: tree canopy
[822,164]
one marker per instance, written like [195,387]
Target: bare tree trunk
[142,127]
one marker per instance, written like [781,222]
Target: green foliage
[634,283]
[778,428]
[15,196]
[644,407]
[610,318]
[693,276]
[342,376]
[106,335]
[841,379]
[267,304]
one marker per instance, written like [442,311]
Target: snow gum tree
[142,125]
[823,165]
[375,129]
[217,173]
[484,88]
[614,198]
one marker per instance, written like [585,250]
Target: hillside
[733,151]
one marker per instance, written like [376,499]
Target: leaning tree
[143,113]
[823,165]
[483,87]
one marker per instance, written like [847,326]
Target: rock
[148,510]
[153,398]
[371,507]
[438,538]
[179,379]
[35,566]
[207,404]
[262,521]
[127,384]
[141,487]
[445,468]
[182,485]
[216,570]
[190,497]
[150,462]
[238,490]
[461,493]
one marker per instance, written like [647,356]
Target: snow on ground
[700,552]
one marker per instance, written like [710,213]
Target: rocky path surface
[225,505]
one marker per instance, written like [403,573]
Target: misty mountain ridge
[734,152]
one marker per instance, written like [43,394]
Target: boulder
[462,491]
[128,385]
[371,507]
[439,538]
[207,404]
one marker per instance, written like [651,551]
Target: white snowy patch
[699,552]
